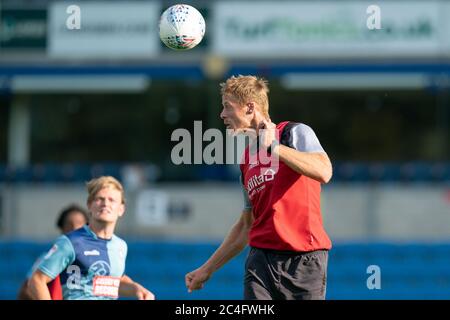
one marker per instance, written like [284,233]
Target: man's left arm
[304,155]
[129,288]
[315,165]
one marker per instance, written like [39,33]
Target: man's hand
[250,132]
[37,286]
[267,133]
[196,279]
[143,294]
[129,288]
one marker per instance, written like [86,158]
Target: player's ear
[250,107]
[122,210]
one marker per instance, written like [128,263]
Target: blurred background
[105,99]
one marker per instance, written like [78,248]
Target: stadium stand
[408,271]
[408,172]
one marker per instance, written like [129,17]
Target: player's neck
[257,119]
[103,230]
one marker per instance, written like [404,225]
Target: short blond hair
[246,89]
[97,184]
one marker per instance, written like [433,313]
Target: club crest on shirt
[51,251]
[100,268]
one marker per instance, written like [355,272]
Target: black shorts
[285,275]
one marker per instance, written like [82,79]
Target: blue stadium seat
[440,172]
[3,175]
[384,172]
[353,172]
[416,172]
[45,173]
[408,271]
[9,289]
[19,175]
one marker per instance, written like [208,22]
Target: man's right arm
[233,244]
[130,288]
[24,292]
[57,259]
[37,286]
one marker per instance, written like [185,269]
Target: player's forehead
[229,99]
[109,191]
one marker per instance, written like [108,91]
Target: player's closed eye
[100,200]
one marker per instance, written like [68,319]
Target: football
[181,27]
